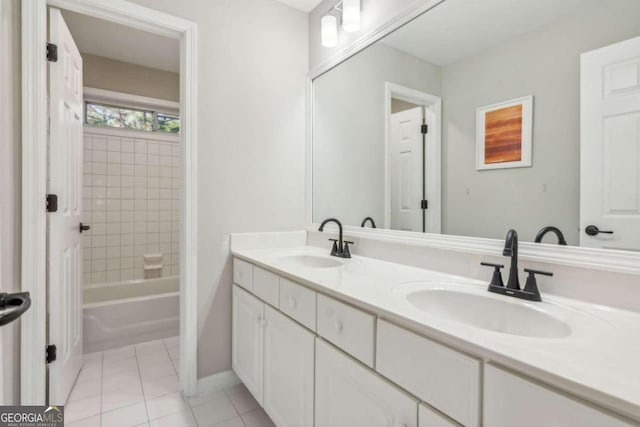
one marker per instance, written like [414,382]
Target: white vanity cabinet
[247,344]
[288,371]
[350,395]
[511,400]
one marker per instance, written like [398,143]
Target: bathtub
[119,314]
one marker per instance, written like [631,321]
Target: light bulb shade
[351,15]
[329,30]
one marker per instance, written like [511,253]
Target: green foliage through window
[130,118]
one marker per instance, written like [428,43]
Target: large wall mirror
[481,116]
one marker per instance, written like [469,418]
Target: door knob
[592,230]
[84,227]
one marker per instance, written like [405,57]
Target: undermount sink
[488,312]
[312,261]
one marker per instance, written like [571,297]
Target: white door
[610,146]
[407,170]
[349,395]
[288,371]
[247,341]
[65,180]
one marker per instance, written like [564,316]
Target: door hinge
[52,203]
[424,129]
[52,353]
[52,52]
[424,204]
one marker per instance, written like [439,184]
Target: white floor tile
[90,373]
[127,416]
[85,389]
[201,399]
[120,380]
[166,405]
[174,353]
[83,408]
[112,367]
[87,422]
[242,400]
[122,397]
[214,411]
[155,370]
[119,353]
[160,386]
[172,342]
[154,358]
[176,365]
[150,347]
[179,419]
[236,422]
[92,356]
[257,418]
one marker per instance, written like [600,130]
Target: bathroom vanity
[327,342]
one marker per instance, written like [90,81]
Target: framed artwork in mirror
[504,134]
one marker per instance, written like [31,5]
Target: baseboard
[217,382]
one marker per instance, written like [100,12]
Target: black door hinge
[52,203]
[52,52]
[52,353]
[424,129]
[424,204]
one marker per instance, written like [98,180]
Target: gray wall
[118,76]
[10,182]
[252,65]
[348,147]
[544,63]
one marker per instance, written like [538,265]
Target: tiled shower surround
[131,200]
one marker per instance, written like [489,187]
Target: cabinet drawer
[266,285]
[350,395]
[510,399]
[444,378]
[298,302]
[349,328]
[243,274]
[428,417]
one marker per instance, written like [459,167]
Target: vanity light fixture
[329,31]
[351,15]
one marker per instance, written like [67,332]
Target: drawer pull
[292,302]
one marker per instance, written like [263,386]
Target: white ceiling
[102,38]
[303,5]
[457,29]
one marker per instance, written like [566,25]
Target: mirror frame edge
[609,260]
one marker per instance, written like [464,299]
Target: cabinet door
[288,371]
[511,400]
[350,395]
[247,341]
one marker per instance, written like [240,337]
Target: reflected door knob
[84,227]
[592,230]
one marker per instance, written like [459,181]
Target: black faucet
[530,291]
[551,229]
[340,247]
[364,222]
[511,250]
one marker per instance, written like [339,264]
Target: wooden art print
[503,134]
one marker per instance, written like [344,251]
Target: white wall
[252,62]
[349,114]
[10,183]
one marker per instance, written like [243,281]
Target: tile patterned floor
[138,385]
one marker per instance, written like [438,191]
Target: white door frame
[34,178]
[433,114]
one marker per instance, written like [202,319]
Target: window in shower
[105,115]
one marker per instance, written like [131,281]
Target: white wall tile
[131,198]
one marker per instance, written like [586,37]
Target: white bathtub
[119,314]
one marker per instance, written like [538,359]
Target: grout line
[144,398]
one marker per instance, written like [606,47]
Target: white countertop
[599,360]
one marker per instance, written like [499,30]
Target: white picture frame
[526,136]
